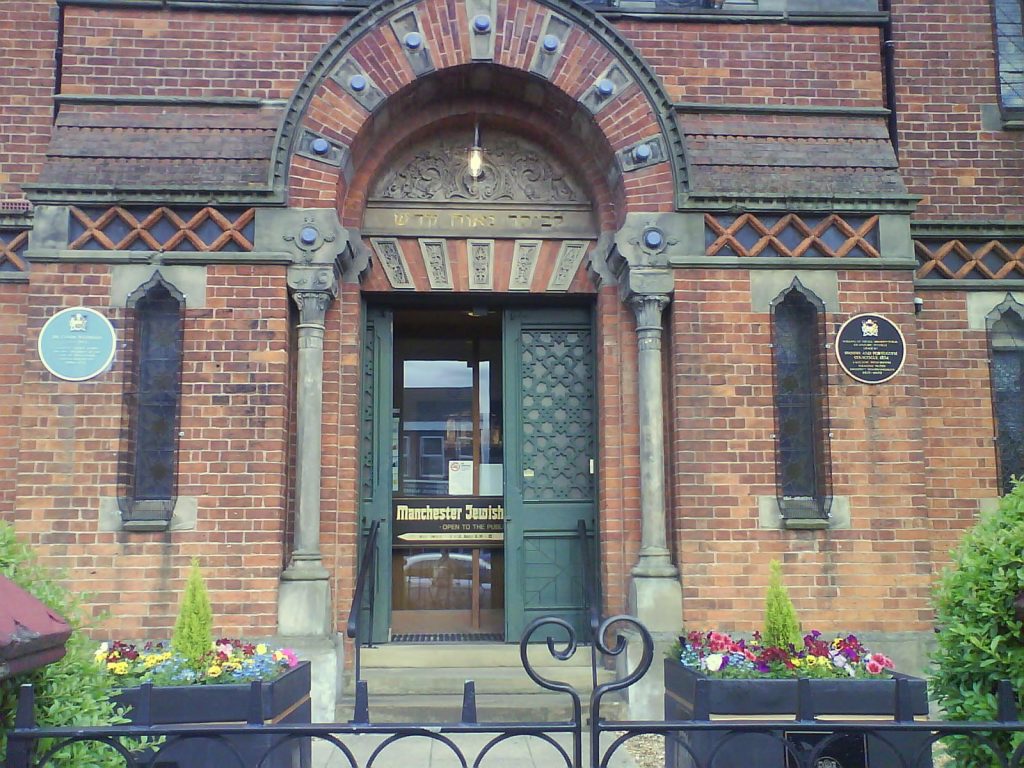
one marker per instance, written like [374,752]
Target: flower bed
[712,676]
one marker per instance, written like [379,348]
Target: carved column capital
[313,288]
[648,308]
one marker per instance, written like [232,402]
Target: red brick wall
[762,63]
[957,418]
[26,80]
[190,53]
[231,456]
[945,65]
[13,308]
[874,576]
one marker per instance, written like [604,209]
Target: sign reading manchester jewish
[77,344]
[454,519]
[870,348]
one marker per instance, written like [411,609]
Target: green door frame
[541,547]
[376,454]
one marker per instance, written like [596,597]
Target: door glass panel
[447,575]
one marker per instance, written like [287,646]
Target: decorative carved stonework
[524,263]
[648,309]
[569,257]
[515,171]
[481,265]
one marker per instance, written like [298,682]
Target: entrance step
[410,683]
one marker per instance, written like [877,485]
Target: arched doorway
[479,384]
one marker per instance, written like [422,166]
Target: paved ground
[423,752]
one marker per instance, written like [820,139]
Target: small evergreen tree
[981,639]
[193,630]
[781,627]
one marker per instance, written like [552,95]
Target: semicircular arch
[367,64]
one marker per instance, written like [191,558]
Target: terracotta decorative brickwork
[161,229]
[13,244]
[970,258]
[791,235]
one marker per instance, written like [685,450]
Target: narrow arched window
[152,405]
[1006,344]
[802,474]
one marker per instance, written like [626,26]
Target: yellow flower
[261,648]
[796,662]
[118,667]
[213,671]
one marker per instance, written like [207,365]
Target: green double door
[506,396]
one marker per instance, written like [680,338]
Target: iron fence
[692,743]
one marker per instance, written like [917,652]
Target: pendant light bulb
[476,155]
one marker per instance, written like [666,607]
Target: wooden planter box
[690,695]
[284,700]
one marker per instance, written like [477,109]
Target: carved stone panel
[436,263]
[515,171]
[569,257]
[392,260]
[524,264]
[481,264]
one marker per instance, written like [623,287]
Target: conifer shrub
[193,630]
[980,640]
[71,691]
[781,628]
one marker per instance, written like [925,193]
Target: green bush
[193,630]
[979,640]
[72,691]
[781,628]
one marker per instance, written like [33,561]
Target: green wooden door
[551,452]
[376,457]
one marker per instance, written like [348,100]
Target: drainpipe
[58,60]
[889,75]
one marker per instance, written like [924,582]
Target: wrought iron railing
[930,736]
[355,627]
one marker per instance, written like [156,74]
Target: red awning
[31,635]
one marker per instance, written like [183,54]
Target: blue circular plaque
[77,344]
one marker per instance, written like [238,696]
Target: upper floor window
[803,478]
[152,400]
[1006,342]
[1008,16]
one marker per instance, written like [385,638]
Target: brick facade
[192,107]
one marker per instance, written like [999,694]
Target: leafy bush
[72,691]
[781,628]
[979,639]
[193,631]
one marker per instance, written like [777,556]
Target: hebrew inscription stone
[870,348]
[77,344]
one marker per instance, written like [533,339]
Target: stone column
[655,558]
[304,599]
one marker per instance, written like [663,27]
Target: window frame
[816,506]
[996,342]
[151,513]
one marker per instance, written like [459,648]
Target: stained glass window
[801,443]
[1006,335]
[152,398]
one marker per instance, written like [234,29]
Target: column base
[658,603]
[655,562]
[304,608]
[304,567]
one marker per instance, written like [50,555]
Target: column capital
[648,308]
[313,288]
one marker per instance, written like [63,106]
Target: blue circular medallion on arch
[77,344]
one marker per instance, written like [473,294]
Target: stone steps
[423,683]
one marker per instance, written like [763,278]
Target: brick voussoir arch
[586,22]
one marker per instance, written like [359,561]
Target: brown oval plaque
[870,348]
